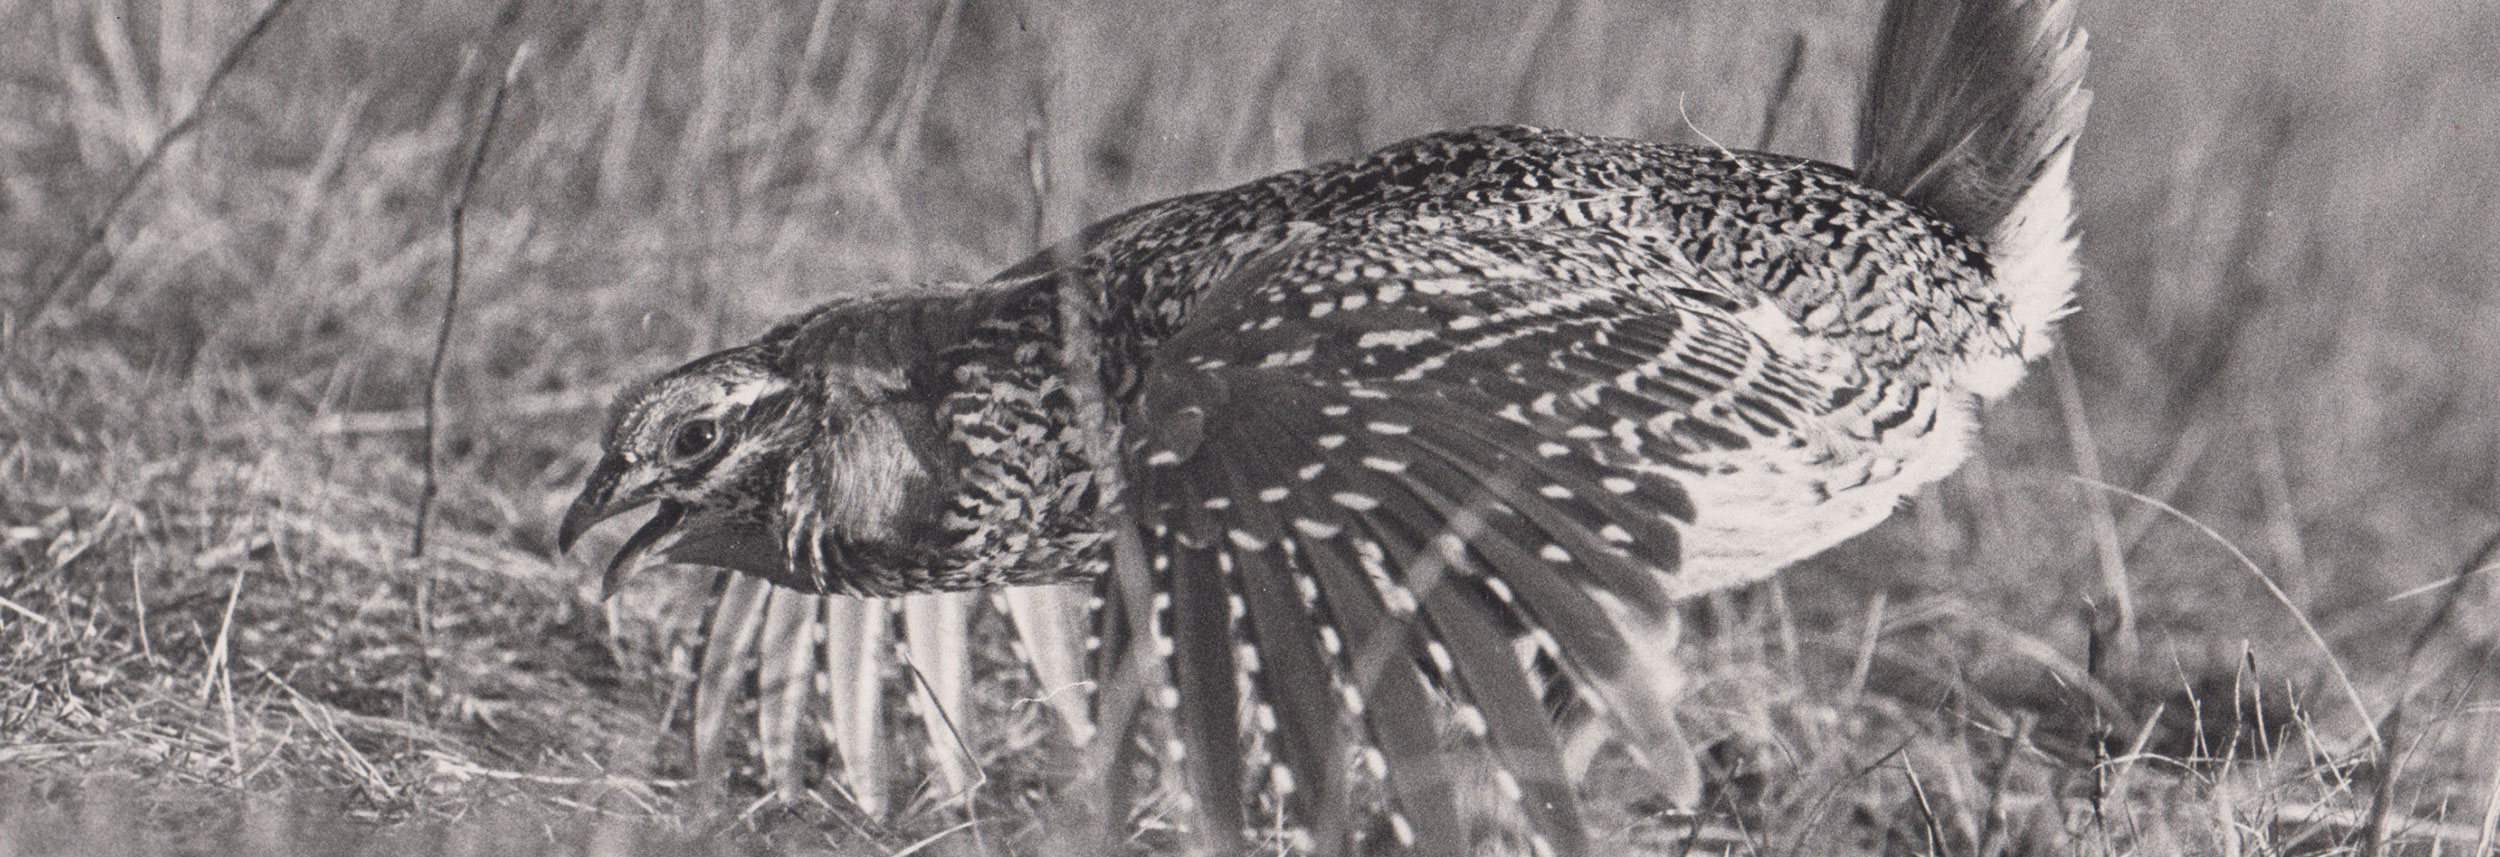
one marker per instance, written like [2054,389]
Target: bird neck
[1026,505]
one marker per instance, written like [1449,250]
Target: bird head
[812,457]
[709,443]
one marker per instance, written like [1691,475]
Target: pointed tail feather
[1972,113]
[786,670]
[1970,102]
[855,641]
[788,638]
[938,632]
[737,622]
[1050,636]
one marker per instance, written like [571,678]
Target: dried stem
[424,599]
[2343,678]
[2098,514]
[2383,796]
[920,80]
[147,165]
[451,300]
[1776,107]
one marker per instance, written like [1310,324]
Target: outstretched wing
[1372,461]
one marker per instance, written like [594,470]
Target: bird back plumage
[1411,445]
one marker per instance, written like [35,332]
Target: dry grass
[212,637]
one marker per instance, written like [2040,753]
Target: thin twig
[1777,105]
[786,122]
[2490,831]
[20,609]
[1133,667]
[220,678]
[920,79]
[2124,764]
[218,652]
[2360,708]
[2373,833]
[139,605]
[2101,730]
[2439,617]
[451,298]
[932,839]
[946,721]
[147,165]
[2373,836]
[569,401]
[1933,827]
[1037,176]
[2104,522]
[1993,821]
[325,722]
[1864,663]
[2440,585]
[449,763]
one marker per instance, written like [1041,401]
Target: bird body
[1819,318]
[1379,426]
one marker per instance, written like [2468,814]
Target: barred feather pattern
[1450,444]
[1850,265]
[1417,444]
[1504,379]
[1853,307]
[1383,417]
[1014,500]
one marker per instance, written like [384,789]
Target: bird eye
[693,439]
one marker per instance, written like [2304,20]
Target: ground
[2198,595]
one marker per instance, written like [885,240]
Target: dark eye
[693,439]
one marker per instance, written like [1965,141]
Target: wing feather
[1209,559]
[729,645]
[1398,711]
[1050,626]
[1443,449]
[855,648]
[1297,681]
[1198,620]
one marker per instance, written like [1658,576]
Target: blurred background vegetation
[209,422]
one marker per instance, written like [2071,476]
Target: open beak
[660,526]
[594,504]
[676,532]
[598,502]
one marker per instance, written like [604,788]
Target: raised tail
[1972,114]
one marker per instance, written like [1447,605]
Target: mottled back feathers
[1422,448]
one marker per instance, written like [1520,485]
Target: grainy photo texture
[1937,427]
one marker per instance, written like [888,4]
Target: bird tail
[1972,114]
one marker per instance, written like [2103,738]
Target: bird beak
[594,504]
[599,502]
[677,532]
[652,531]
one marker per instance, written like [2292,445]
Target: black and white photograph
[1743,428]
